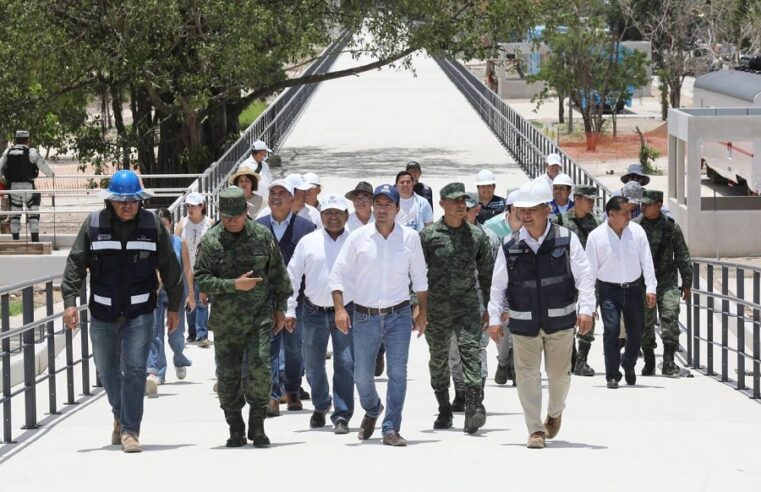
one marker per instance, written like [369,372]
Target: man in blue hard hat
[122,246]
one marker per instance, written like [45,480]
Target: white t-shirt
[407,212]
[192,234]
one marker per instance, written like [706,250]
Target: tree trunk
[121,130]
[664,88]
[561,108]
[142,128]
[675,92]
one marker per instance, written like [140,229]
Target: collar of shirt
[625,234]
[285,221]
[532,243]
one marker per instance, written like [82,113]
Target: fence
[28,335]
[528,145]
[702,339]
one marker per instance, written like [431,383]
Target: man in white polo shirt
[553,166]
[619,255]
[381,258]
[313,259]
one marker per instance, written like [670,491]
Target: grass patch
[251,113]
[15,307]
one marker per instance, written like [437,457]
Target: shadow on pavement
[146,447]
[561,445]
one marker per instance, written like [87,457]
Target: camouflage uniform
[454,256]
[242,321]
[670,254]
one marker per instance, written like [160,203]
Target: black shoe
[380,364]
[237,430]
[341,427]
[258,436]
[630,376]
[191,339]
[317,420]
[612,383]
[501,375]
[15,236]
[444,419]
[649,356]
[303,394]
[475,414]
[458,404]
[35,237]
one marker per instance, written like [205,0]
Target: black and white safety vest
[18,166]
[123,274]
[541,292]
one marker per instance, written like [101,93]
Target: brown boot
[273,408]
[294,402]
[116,434]
[130,443]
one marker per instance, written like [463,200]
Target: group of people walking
[286,270]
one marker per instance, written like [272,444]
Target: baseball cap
[297,182]
[413,165]
[259,145]
[453,191]
[336,202]
[312,179]
[362,186]
[232,202]
[388,191]
[283,184]
[194,198]
[633,192]
[553,159]
[587,191]
[472,199]
[652,196]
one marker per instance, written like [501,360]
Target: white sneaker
[181,372]
[152,386]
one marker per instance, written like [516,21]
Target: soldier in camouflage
[670,254]
[458,256]
[581,220]
[240,265]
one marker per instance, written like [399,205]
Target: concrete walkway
[662,434]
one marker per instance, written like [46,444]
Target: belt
[625,285]
[380,311]
[319,308]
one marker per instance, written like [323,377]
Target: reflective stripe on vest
[139,299]
[558,312]
[106,301]
[521,315]
[106,245]
[141,245]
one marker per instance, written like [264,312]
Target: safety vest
[123,274]
[18,167]
[541,292]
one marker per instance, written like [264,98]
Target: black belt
[625,285]
[319,308]
[380,311]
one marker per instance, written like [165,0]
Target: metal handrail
[525,143]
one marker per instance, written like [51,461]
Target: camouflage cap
[453,191]
[633,192]
[472,199]
[232,202]
[587,191]
[652,196]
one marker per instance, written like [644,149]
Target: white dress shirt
[354,222]
[621,260]
[582,275]
[380,267]
[279,228]
[313,259]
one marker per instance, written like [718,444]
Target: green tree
[587,63]
[178,73]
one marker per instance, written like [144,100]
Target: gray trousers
[32,201]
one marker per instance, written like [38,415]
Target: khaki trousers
[557,348]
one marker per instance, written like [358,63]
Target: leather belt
[380,311]
[625,285]
[319,308]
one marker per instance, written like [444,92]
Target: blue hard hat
[125,186]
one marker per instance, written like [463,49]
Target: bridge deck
[661,434]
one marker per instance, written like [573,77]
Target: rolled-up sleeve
[583,277]
[499,280]
[418,269]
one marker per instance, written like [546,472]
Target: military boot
[458,404]
[35,237]
[475,415]
[581,368]
[669,366]
[237,429]
[444,420]
[649,356]
[256,428]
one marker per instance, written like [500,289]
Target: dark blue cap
[387,190]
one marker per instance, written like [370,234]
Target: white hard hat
[562,179]
[485,177]
[511,197]
[532,194]
[553,159]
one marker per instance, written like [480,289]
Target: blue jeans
[294,360]
[157,356]
[394,331]
[319,327]
[614,301]
[198,318]
[121,351]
